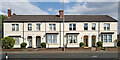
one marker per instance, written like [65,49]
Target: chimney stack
[61,13]
[9,12]
[14,14]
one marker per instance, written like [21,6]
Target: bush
[81,44]
[102,48]
[43,44]
[23,45]
[7,42]
[99,44]
[118,44]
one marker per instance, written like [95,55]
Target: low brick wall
[12,49]
[78,49]
[111,49]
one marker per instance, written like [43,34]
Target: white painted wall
[79,29]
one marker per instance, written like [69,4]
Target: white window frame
[52,39]
[72,27]
[73,35]
[29,27]
[105,26]
[84,26]
[92,26]
[38,28]
[15,27]
[108,38]
[52,28]
[16,40]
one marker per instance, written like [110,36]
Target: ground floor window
[16,40]
[72,38]
[106,38]
[52,38]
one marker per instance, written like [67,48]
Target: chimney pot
[14,14]
[9,12]
[61,13]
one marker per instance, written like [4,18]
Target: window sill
[52,43]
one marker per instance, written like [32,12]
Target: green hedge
[81,44]
[99,44]
[43,44]
[8,42]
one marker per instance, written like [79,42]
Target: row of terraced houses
[35,29]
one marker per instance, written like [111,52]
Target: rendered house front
[35,29]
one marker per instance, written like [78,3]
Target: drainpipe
[45,34]
[23,31]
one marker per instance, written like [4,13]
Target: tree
[7,42]
[2,17]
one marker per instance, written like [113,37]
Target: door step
[93,48]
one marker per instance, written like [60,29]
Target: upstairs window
[29,27]
[72,26]
[52,26]
[38,27]
[93,26]
[15,27]
[85,26]
[106,26]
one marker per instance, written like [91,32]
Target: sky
[51,7]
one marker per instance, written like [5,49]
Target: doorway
[93,41]
[30,41]
[38,41]
[86,40]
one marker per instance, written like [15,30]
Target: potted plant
[43,44]
[23,45]
[81,44]
[99,44]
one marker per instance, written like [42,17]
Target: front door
[30,41]
[86,40]
[93,41]
[38,42]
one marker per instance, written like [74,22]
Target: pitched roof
[56,18]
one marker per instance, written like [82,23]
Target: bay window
[72,38]
[16,40]
[51,38]
[106,38]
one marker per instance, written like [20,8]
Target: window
[52,26]
[15,27]
[85,26]
[16,40]
[93,26]
[106,26]
[72,26]
[52,38]
[106,38]
[29,27]
[72,38]
[38,27]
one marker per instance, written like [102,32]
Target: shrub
[23,45]
[102,48]
[81,44]
[7,42]
[99,44]
[118,44]
[43,44]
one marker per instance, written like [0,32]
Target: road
[53,54]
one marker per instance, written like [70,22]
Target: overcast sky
[51,7]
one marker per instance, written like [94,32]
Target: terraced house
[35,29]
